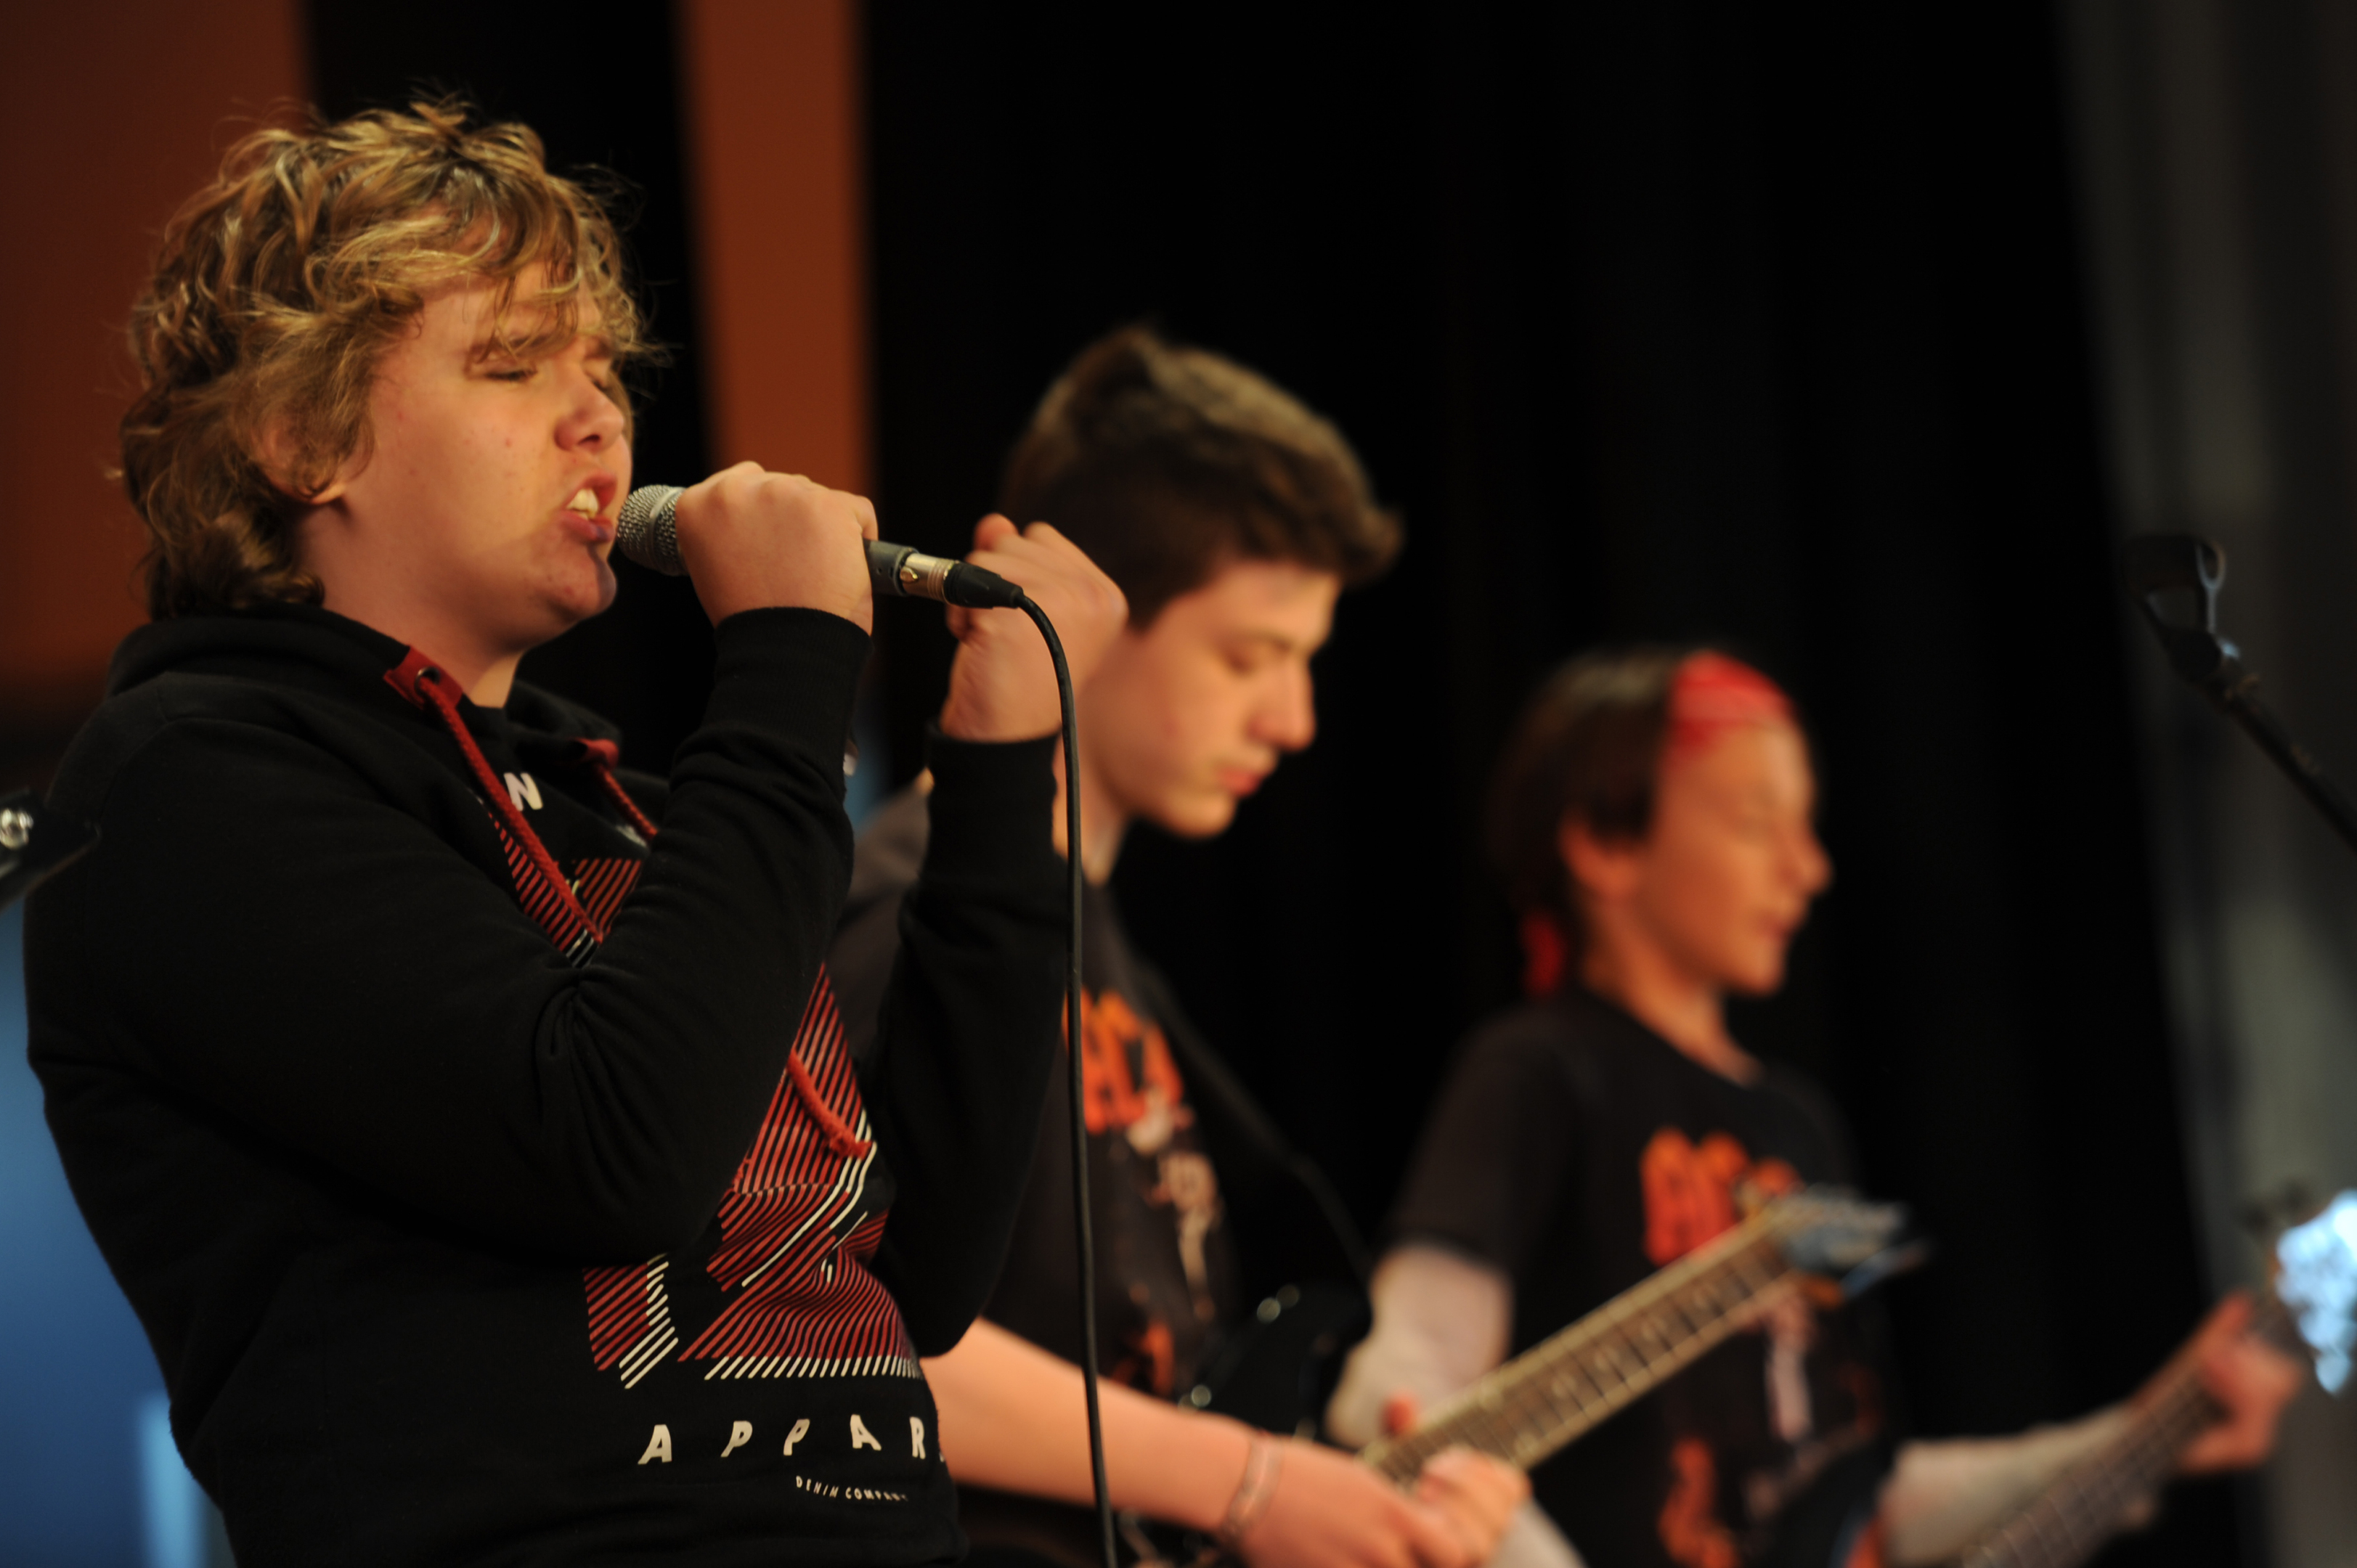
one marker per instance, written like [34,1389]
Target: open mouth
[586,505]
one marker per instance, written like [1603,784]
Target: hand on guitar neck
[2247,1379]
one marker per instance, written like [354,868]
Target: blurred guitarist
[1232,518]
[1653,819]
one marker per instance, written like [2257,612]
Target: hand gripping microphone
[647,530]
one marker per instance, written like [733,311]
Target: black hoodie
[481,1215]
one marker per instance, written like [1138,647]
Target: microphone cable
[1084,1236]
[646,529]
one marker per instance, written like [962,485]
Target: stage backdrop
[114,113]
[1670,321]
[1664,321]
[2219,145]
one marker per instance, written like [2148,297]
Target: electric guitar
[1557,1391]
[1546,1399]
[2313,1307]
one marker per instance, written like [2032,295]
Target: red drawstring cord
[838,1134]
[604,756]
[421,682]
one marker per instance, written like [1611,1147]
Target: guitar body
[1277,1373]
[1273,1372]
[1831,1525]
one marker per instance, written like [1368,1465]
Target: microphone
[647,530]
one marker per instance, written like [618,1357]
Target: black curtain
[1658,322]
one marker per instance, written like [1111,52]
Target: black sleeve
[1489,1170]
[968,1031]
[285,944]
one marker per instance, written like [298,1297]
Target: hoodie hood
[328,655]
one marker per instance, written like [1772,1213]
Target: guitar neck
[1559,1389]
[2086,1505]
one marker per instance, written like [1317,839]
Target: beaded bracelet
[1253,1491]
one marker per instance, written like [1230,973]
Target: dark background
[1665,321]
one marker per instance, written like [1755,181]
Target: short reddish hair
[1589,748]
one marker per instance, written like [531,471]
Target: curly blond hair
[279,288]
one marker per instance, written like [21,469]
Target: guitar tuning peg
[2268,1214]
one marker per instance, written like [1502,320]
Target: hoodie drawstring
[422,682]
[604,757]
[839,1135]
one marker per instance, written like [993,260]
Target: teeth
[584,502]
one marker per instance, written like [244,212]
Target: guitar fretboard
[1557,1391]
[2085,1506]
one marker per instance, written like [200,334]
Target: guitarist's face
[1721,882]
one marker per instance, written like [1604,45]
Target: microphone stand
[2156,566]
[36,844]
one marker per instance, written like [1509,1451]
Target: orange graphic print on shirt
[1690,1189]
[1691,1531]
[1115,1097]
[1135,1104]
[1150,1364]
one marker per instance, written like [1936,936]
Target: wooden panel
[119,111]
[771,99]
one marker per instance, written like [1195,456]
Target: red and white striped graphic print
[630,1318]
[798,1227]
[798,1223]
[600,884]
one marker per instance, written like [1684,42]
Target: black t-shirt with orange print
[1579,1151]
[1201,1209]
[1165,1260]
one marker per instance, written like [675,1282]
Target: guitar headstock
[2317,1279]
[1827,1232]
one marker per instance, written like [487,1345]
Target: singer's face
[489,495]
[1724,876]
[1187,716]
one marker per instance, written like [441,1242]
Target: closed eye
[1252,656]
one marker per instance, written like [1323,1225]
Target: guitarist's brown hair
[1167,463]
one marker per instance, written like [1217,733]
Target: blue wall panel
[79,1371]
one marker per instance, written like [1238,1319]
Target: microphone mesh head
[647,528]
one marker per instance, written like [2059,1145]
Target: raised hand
[1003,686]
[754,540]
